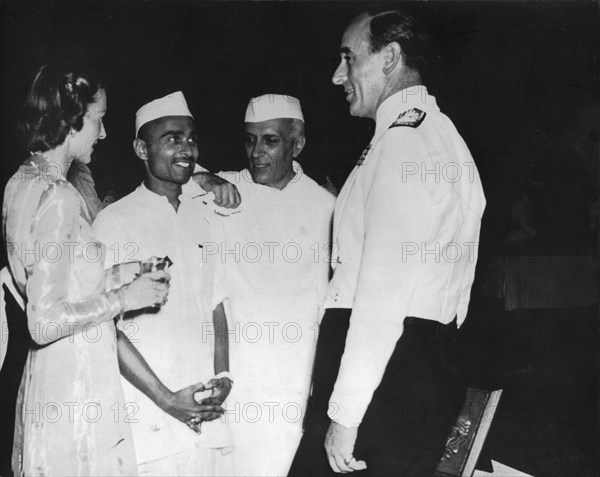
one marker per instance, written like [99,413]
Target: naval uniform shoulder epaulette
[411,118]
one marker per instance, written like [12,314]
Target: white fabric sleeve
[398,213]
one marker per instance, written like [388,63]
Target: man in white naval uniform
[276,256]
[170,355]
[406,227]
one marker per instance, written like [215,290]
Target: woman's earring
[72,132]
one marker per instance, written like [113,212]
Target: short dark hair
[56,103]
[403,28]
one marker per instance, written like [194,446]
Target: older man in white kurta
[276,254]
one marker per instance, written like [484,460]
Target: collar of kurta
[160,200]
[403,100]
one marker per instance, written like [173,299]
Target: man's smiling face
[172,148]
[360,72]
[270,151]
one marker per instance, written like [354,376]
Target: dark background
[519,80]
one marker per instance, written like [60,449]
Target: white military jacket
[406,232]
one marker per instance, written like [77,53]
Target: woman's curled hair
[56,103]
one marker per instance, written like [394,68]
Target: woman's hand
[129,271]
[147,290]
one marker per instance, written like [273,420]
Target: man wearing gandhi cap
[281,115]
[165,355]
[276,259]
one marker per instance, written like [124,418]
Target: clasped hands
[183,406]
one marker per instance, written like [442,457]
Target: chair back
[465,442]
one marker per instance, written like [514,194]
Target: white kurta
[277,264]
[178,340]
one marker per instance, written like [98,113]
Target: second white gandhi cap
[173,104]
[273,106]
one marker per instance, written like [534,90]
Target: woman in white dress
[71,418]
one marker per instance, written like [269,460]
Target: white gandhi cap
[273,106]
[171,105]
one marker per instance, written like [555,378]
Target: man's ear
[299,143]
[392,56]
[140,148]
